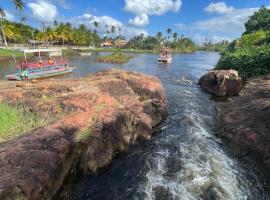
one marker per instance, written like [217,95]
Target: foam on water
[205,170]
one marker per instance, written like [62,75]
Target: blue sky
[198,19]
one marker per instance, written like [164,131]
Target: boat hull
[167,61]
[41,75]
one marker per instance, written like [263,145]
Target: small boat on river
[165,56]
[85,54]
[49,63]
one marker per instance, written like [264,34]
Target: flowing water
[184,160]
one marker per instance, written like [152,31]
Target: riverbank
[244,122]
[95,118]
[8,53]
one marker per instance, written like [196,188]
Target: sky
[198,19]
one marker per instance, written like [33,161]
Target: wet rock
[245,120]
[93,119]
[221,82]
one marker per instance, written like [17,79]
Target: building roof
[40,50]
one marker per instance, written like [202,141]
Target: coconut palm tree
[96,25]
[175,36]
[19,5]
[113,29]
[2,16]
[169,31]
[11,33]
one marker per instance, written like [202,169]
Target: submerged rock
[221,82]
[95,118]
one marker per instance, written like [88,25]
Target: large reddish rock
[94,118]
[245,120]
[221,82]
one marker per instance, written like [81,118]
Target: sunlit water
[184,160]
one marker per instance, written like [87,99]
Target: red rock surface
[221,82]
[94,118]
[245,120]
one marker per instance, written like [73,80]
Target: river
[184,159]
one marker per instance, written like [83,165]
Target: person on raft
[24,74]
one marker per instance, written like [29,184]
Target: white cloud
[9,16]
[233,21]
[152,7]
[88,20]
[144,8]
[43,11]
[64,4]
[219,7]
[140,20]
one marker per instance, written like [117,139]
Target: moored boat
[165,56]
[85,54]
[50,63]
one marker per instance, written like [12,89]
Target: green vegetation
[13,121]
[211,46]
[65,34]
[8,53]
[114,58]
[154,43]
[250,54]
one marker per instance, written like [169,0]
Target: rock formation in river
[245,120]
[94,118]
[221,82]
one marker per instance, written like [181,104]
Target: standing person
[24,74]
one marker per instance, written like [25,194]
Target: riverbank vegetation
[14,121]
[114,58]
[250,55]
[61,34]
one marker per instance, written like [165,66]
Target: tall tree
[175,36]
[2,16]
[96,25]
[19,5]
[259,21]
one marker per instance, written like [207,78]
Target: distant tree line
[66,34]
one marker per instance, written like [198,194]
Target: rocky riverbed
[95,118]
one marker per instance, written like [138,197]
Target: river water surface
[184,160]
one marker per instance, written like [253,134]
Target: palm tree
[175,36]
[159,35]
[169,31]
[96,25]
[3,15]
[113,29]
[11,33]
[19,5]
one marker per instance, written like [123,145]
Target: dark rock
[221,82]
[244,121]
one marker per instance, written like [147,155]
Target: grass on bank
[14,122]
[116,57]
[7,53]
